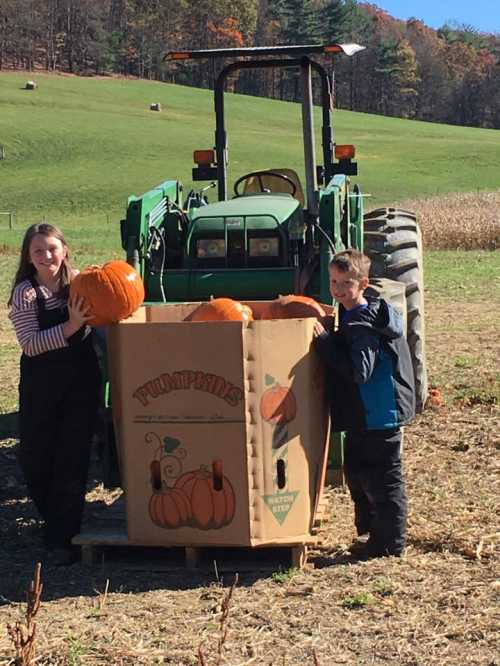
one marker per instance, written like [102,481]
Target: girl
[58,389]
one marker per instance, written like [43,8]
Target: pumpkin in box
[221,309]
[292,307]
[112,292]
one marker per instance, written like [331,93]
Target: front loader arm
[145,214]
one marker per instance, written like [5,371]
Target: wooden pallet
[108,547]
[104,540]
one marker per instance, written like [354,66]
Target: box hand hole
[155,475]
[217,475]
[281,473]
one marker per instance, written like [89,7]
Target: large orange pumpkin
[278,405]
[211,495]
[112,291]
[292,307]
[221,309]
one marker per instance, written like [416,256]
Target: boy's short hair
[352,260]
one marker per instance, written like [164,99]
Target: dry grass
[465,221]
[438,605]
[22,635]
[463,344]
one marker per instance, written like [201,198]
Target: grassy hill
[75,148]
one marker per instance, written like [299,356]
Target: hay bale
[155,106]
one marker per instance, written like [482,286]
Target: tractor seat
[274,184]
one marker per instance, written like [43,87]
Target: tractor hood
[280,207]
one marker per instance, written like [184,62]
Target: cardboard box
[221,428]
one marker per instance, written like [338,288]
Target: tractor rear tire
[393,241]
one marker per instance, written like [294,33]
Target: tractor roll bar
[220,131]
[305,65]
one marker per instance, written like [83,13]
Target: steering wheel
[258,175]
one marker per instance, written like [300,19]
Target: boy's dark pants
[372,465]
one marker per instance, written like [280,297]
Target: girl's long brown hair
[26,270]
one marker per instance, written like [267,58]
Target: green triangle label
[280,504]
[269,379]
[282,454]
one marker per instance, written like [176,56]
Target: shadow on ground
[128,569]
[9,425]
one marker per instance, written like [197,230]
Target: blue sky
[483,15]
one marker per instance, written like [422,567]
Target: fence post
[12,216]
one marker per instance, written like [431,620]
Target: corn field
[468,221]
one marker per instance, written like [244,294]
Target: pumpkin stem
[204,472]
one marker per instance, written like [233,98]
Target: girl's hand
[78,316]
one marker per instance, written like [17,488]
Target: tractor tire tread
[393,241]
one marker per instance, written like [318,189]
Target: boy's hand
[319,331]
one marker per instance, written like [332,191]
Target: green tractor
[270,234]
[265,237]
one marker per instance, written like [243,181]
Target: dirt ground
[437,605]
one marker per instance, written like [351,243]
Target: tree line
[408,70]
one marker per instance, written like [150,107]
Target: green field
[76,148]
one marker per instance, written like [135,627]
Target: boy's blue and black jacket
[369,369]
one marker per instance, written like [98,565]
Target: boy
[372,395]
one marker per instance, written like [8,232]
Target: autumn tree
[209,22]
[432,86]
[332,21]
[353,75]
[8,30]
[396,79]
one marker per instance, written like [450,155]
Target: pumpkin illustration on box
[211,496]
[278,405]
[168,507]
[201,498]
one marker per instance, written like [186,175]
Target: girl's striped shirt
[24,316]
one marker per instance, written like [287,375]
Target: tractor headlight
[210,248]
[264,247]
